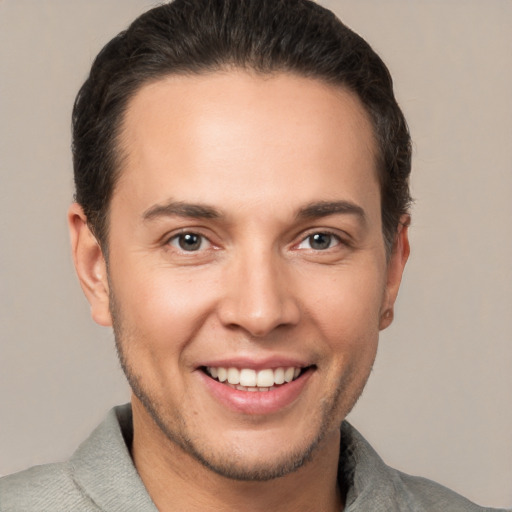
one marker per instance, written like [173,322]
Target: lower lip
[257,402]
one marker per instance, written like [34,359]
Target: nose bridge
[258,295]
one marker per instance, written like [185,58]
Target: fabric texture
[100,476]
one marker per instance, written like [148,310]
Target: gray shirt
[100,476]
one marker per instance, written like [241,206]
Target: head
[244,164]
[265,36]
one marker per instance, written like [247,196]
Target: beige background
[439,400]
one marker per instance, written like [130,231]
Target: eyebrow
[181,209]
[325,208]
[316,209]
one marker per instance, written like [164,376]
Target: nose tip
[259,321]
[258,302]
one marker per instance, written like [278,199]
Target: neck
[177,481]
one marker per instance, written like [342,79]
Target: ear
[90,265]
[396,264]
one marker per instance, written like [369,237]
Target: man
[241,217]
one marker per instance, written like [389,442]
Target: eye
[189,242]
[319,241]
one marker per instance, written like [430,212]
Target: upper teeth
[252,378]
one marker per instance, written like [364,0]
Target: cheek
[346,303]
[161,309]
[347,317]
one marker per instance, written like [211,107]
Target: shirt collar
[103,468]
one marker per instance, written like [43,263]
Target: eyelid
[170,237]
[176,238]
[342,238]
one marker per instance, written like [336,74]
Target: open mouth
[247,379]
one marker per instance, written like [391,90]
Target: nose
[258,295]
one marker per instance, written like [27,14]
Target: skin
[259,150]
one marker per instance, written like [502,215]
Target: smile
[256,391]
[247,379]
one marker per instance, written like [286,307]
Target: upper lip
[256,364]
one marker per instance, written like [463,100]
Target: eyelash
[181,236]
[175,240]
[326,233]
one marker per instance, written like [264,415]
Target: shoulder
[372,485]
[423,494]
[60,486]
[46,488]
[99,474]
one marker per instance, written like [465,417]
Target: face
[247,278]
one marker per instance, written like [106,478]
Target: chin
[259,454]
[246,467]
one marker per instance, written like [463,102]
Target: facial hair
[176,430]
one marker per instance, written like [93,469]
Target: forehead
[268,136]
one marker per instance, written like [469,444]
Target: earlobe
[386,318]
[90,265]
[398,258]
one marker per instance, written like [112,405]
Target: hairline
[121,154]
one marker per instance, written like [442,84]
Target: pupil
[190,242]
[320,241]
